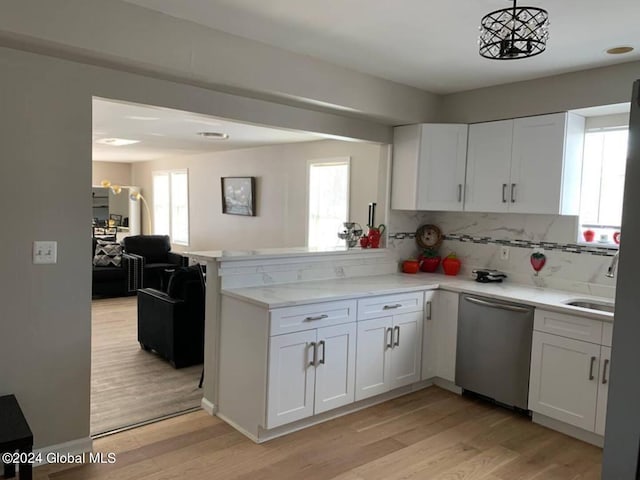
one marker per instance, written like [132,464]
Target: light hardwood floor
[430,434]
[129,385]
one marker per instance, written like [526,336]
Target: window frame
[325,161]
[169,173]
[599,127]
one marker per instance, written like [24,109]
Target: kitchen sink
[592,305]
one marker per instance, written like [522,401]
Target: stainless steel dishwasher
[494,349]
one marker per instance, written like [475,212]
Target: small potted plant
[429,260]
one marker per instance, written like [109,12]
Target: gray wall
[587,88]
[281,189]
[622,440]
[45,134]
[110,32]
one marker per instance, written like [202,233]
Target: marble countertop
[291,294]
[231,255]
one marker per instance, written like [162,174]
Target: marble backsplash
[576,272]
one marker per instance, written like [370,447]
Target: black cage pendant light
[515,32]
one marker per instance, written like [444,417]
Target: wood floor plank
[427,435]
[129,385]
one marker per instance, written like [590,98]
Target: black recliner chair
[154,251]
[172,323]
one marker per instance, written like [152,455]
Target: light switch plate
[45,252]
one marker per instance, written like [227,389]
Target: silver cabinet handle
[513,193]
[511,308]
[459,193]
[504,192]
[396,329]
[604,371]
[391,307]
[593,361]
[389,336]
[324,351]
[429,310]
[319,317]
[312,363]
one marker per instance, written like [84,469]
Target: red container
[589,235]
[451,265]
[429,264]
[364,241]
[410,266]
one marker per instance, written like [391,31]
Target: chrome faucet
[611,272]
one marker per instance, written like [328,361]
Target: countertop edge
[442,284]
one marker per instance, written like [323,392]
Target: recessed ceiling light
[214,135]
[116,142]
[619,50]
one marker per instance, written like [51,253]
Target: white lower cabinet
[603,389]
[310,372]
[389,353]
[569,380]
[440,335]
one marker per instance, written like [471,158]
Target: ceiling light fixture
[116,142]
[214,135]
[515,32]
[619,50]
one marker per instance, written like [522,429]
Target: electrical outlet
[504,253]
[45,252]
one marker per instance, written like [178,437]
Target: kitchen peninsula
[298,336]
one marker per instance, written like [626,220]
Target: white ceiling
[163,132]
[424,43]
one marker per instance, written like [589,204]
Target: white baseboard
[567,429]
[208,406]
[73,447]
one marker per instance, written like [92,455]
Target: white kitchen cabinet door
[488,166]
[445,316]
[564,379]
[442,165]
[291,378]
[537,164]
[429,340]
[373,359]
[603,389]
[429,162]
[406,355]
[336,370]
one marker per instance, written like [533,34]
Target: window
[605,159]
[171,205]
[328,201]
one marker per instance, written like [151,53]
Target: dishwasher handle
[503,306]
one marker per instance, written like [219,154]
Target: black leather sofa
[172,323]
[113,281]
[154,251]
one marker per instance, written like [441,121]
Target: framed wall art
[239,195]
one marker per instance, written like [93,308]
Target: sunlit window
[171,205]
[605,159]
[328,202]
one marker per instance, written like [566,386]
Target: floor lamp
[134,196]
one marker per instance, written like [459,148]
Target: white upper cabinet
[489,166]
[429,167]
[546,164]
[526,165]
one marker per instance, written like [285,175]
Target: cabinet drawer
[375,307]
[570,326]
[607,333]
[316,315]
